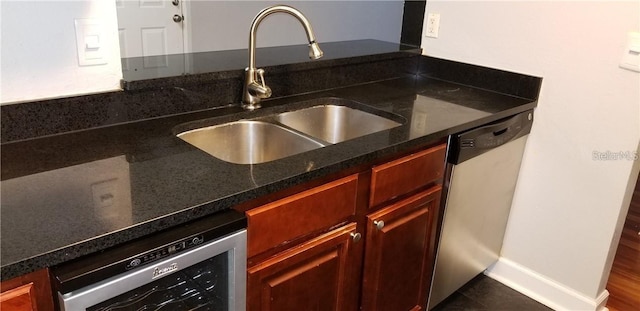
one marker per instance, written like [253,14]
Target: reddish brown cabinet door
[18,299]
[26,293]
[398,254]
[322,274]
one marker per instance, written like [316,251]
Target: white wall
[565,220]
[38,43]
[38,50]
[224,25]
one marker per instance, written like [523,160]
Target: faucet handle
[258,88]
[260,73]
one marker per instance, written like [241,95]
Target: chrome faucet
[255,88]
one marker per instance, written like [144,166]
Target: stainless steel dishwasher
[484,164]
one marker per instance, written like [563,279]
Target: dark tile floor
[484,293]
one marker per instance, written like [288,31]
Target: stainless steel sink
[334,123]
[322,122]
[249,142]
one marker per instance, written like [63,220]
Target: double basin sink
[323,122]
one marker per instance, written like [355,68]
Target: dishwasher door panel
[475,217]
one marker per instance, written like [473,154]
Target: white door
[151,29]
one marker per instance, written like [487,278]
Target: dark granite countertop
[68,195]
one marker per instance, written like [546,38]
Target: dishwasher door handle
[498,135]
[500,132]
[477,141]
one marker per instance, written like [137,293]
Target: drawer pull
[379,224]
[355,236]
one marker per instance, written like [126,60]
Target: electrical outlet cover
[433,25]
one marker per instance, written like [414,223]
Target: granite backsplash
[164,96]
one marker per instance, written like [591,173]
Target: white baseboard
[548,292]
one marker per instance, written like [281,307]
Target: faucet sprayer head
[314,50]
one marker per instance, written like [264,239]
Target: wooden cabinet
[321,274]
[304,251]
[362,242]
[400,236]
[397,258]
[19,298]
[27,292]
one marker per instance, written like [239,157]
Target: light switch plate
[90,40]
[631,55]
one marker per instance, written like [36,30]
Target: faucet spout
[254,91]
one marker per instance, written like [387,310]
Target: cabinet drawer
[406,174]
[287,219]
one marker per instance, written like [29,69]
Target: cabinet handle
[355,236]
[177,18]
[379,224]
